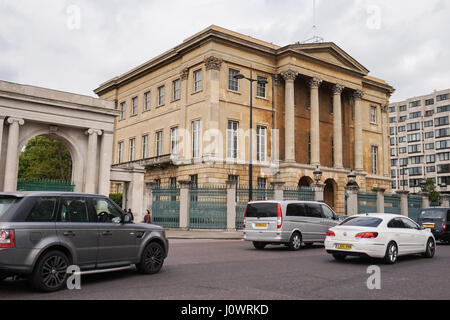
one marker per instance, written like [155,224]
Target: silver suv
[42,234]
[287,222]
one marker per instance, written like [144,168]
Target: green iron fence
[44,185]
[414,206]
[242,200]
[392,203]
[166,207]
[367,202]
[298,193]
[208,207]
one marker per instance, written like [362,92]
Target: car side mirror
[126,218]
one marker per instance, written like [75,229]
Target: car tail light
[444,227]
[245,215]
[6,238]
[330,233]
[279,217]
[367,235]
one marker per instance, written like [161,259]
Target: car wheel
[339,256]
[50,272]
[295,243]
[259,245]
[431,249]
[152,258]
[391,253]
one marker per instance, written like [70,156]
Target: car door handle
[69,234]
[106,233]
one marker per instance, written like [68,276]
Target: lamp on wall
[317,175]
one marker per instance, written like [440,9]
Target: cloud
[404,42]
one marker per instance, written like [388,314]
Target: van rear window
[362,222]
[262,210]
[432,214]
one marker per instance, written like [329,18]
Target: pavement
[204,234]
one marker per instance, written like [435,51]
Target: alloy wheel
[153,258]
[54,271]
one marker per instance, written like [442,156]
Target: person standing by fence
[147,217]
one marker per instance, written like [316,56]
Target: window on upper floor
[147,98]
[123,110]
[429,102]
[373,114]
[233,83]
[176,90]
[161,95]
[442,97]
[134,106]
[261,87]
[198,80]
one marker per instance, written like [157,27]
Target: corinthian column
[289,115]
[314,84]
[12,154]
[337,126]
[357,96]
[91,163]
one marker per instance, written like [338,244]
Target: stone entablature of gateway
[320,107]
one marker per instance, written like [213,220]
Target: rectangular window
[123,110]
[134,106]
[429,135]
[401,129]
[442,121]
[402,150]
[414,137]
[132,149]
[233,83]
[174,140]
[431,158]
[197,80]
[428,124]
[374,159]
[443,109]
[415,115]
[415,148]
[429,146]
[401,139]
[431,169]
[145,147]
[442,97]
[416,171]
[414,104]
[159,136]
[402,118]
[147,98]
[176,90]
[392,119]
[402,108]
[120,152]
[444,144]
[261,143]
[416,160]
[393,154]
[429,102]
[443,168]
[444,156]
[373,114]
[161,96]
[392,131]
[391,109]
[261,87]
[413,126]
[196,139]
[442,133]
[232,139]
[429,113]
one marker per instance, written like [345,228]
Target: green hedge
[117,198]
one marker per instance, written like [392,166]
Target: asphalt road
[203,269]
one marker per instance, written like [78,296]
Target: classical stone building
[184,116]
[83,124]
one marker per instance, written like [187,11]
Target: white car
[379,235]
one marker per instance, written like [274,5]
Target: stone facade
[315,110]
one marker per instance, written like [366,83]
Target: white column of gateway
[91,163]
[105,163]
[337,126]
[12,154]
[314,84]
[289,115]
[357,96]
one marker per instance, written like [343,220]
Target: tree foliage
[431,189]
[45,158]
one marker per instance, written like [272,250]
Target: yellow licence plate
[344,246]
[431,226]
[261,225]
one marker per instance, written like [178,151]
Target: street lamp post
[250,165]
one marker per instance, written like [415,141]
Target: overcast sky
[47,43]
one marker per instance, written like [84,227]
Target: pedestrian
[131,213]
[147,217]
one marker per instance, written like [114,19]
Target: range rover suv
[43,233]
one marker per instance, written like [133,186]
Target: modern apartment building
[420,141]
[185,116]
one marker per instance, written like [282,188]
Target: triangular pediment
[331,53]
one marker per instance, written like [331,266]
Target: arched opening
[305,182]
[45,164]
[329,193]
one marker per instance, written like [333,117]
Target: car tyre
[431,249]
[259,245]
[339,256]
[50,272]
[152,259]
[391,253]
[295,243]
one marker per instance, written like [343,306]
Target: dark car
[42,234]
[438,220]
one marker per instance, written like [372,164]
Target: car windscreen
[6,202]
[262,210]
[432,214]
[362,222]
